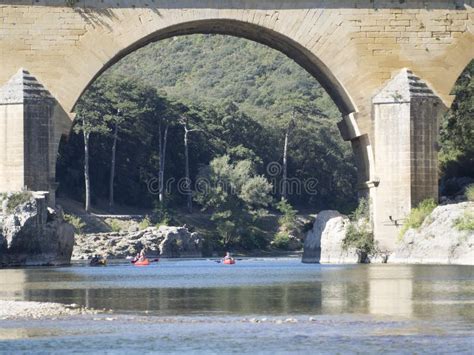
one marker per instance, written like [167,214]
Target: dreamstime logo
[202,185]
[274,169]
[291,185]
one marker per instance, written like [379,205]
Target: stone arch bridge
[389,65]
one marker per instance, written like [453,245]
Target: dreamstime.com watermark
[202,185]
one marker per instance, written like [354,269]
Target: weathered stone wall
[406,115]
[11,147]
[31,124]
[357,45]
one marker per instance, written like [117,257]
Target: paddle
[221,260]
[150,260]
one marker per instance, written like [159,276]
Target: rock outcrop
[33,234]
[438,241]
[323,244]
[168,242]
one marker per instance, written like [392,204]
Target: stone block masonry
[353,47]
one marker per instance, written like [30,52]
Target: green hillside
[242,95]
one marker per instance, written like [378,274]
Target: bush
[288,219]
[281,241]
[288,224]
[360,237]
[162,216]
[359,234]
[16,199]
[418,215]
[362,211]
[115,224]
[466,222]
[144,223]
[470,192]
[76,222]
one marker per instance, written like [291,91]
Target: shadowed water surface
[266,304]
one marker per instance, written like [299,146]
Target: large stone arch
[356,49]
[257,33]
[305,58]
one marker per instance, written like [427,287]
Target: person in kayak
[98,260]
[139,257]
[142,256]
[228,256]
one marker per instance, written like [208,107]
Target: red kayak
[144,262]
[229,261]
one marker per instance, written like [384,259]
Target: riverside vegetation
[224,108]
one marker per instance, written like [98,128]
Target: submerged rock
[33,234]
[323,244]
[165,241]
[438,241]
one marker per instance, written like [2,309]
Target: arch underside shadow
[292,49]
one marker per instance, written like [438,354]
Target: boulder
[164,241]
[323,244]
[33,234]
[438,241]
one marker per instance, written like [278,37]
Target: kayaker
[228,256]
[136,258]
[98,260]
[142,256]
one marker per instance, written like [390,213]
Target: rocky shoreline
[437,241]
[163,241]
[33,234]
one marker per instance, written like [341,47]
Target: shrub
[144,223]
[115,224]
[16,199]
[281,241]
[288,224]
[359,234]
[162,216]
[466,222]
[470,192]
[288,219]
[417,215]
[75,221]
[362,211]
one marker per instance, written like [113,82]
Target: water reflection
[267,287]
[389,295]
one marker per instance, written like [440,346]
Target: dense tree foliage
[237,198]
[246,105]
[457,133]
[237,96]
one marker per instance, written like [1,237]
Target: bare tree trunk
[186,169]
[284,188]
[285,166]
[162,163]
[86,171]
[112,167]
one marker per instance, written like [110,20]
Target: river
[256,306]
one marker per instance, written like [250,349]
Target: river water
[256,306]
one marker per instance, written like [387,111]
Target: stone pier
[406,116]
[30,133]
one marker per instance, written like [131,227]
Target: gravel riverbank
[40,310]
